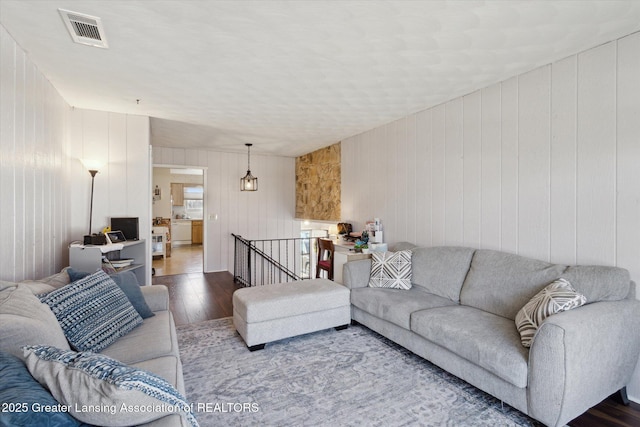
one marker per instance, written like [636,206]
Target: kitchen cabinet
[196,232]
[177,194]
[90,258]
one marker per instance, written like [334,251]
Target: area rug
[352,377]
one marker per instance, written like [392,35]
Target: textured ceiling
[294,76]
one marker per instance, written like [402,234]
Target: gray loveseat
[152,346]
[459,314]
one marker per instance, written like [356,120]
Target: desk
[343,254]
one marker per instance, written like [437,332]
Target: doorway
[178,214]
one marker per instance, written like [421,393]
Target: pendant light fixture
[249,182]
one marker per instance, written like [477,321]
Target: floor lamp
[92,166]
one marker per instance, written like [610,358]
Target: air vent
[84,29]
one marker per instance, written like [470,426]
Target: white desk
[343,254]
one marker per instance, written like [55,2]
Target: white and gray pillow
[556,297]
[391,270]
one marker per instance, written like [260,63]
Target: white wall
[122,186]
[44,189]
[265,214]
[34,169]
[546,164]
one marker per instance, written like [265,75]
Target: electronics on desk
[116,236]
[128,225]
[95,239]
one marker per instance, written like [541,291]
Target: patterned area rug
[352,377]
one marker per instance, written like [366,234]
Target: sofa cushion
[128,282]
[441,270]
[55,281]
[25,398]
[555,298]
[599,283]
[502,283]
[93,312]
[489,341]
[391,270]
[27,321]
[156,337]
[395,305]
[90,380]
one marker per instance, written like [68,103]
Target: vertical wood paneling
[8,165]
[410,166]
[533,171]
[117,165]
[596,160]
[390,186]
[491,165]
[438,192]
[30,212]
[402,183]
[628,171]
[33,169]
[563,161]
[628,156]
[509,166]
[454,172]
[472,192]
[424,170]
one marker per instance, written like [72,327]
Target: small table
[344,253]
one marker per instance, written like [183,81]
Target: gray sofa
[152,346]
[459,314]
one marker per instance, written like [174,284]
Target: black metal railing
[263,262]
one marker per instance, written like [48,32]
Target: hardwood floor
[196,297]
[183,259]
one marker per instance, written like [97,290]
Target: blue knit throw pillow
[99,390]
[93,312]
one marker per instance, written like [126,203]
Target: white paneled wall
[34,169]
[265,214]
[546,165]
[122,186]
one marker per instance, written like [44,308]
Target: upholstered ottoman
[269,313]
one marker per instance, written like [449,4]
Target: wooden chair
[325,257]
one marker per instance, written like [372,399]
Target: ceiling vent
[84,29]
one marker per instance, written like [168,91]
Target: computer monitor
[128,225]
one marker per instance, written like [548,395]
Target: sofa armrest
[156,297]
[580,357]
[355,274]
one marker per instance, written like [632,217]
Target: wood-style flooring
[183,259]
[196,297]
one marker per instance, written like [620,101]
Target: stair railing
[267,261]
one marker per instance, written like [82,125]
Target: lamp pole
[87,238]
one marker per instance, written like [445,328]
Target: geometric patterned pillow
[99,390]
[391,270]
[93,312]
[556,297]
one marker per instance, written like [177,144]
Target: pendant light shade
[249,182]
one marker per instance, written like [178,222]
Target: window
[193,201]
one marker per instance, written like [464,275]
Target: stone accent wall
[318,180]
